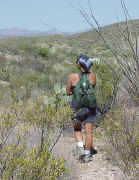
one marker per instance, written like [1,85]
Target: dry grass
[122,136]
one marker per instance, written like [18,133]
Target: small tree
[20,159]
[106,87]
[125,51]
[121,126]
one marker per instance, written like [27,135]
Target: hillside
[108,30]
[35,116]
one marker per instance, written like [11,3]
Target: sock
[80,144]
[86,152]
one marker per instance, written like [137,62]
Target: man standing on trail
[81,86]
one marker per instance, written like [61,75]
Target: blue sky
[60,14]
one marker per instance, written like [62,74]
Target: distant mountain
[15,32]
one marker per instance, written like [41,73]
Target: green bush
[20,159]
[106,85]
[27,48]
[44,52]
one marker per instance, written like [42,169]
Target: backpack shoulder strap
[84,77]
[83,74]
[80,74]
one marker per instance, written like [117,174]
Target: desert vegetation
[121,119]
[35,109]
[31,110]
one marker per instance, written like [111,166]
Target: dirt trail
[98,169]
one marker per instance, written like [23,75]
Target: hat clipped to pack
[85,61]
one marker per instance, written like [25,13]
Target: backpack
[83,93]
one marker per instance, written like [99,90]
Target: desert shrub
[20,159]
[3,60]
[122,41]
[5,95]
[121,134]
[22,85]
[26,47]
[5,69]
[4,74]
[121,125]
[58,99]
[106,85]
[44,52]
[38,66]
[36,164]
[26,63]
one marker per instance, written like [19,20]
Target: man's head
[84,63]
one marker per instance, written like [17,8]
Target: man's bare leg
[89,136]
[77,132]
[79,140]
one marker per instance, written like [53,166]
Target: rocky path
[98,169]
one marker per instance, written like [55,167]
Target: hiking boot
[79,152]
[87,158]
[92,151]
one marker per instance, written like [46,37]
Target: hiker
[81,86]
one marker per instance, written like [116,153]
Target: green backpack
[83,93]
